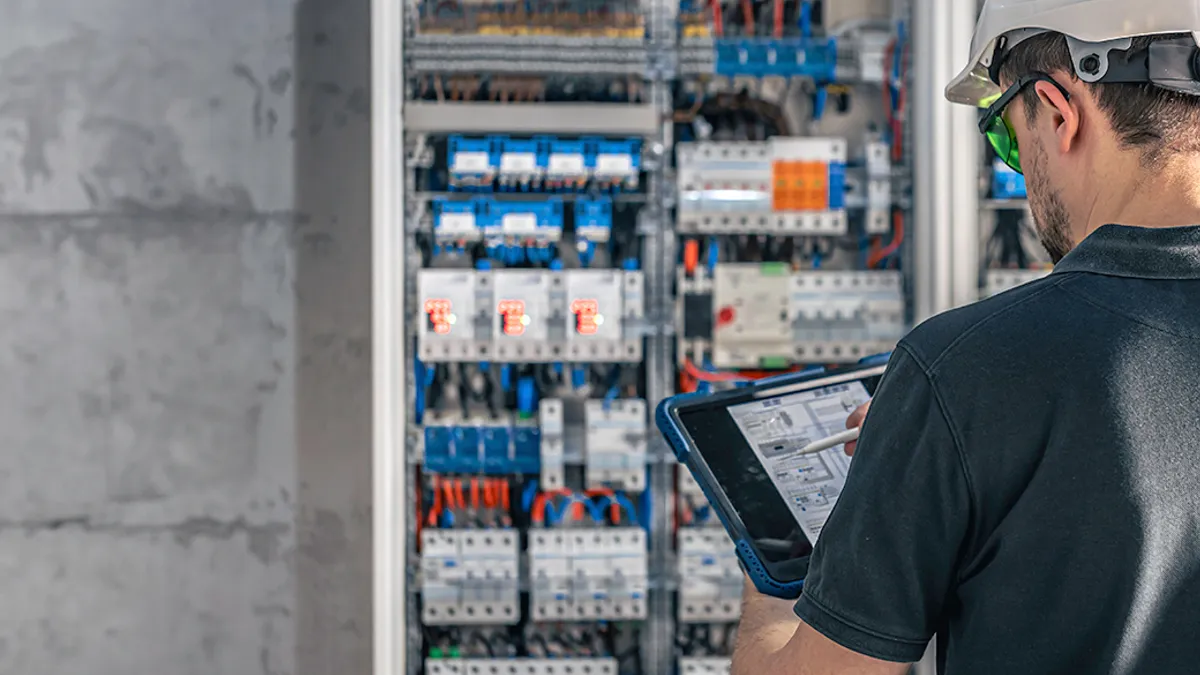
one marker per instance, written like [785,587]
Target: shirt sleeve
[887,559]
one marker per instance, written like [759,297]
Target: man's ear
[1064,114]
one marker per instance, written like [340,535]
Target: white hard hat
[1082,21]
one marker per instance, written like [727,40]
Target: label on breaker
[519,224]
[778,428]
[566,165]
[456,224]
[614,165]
[471,162]
[518,162]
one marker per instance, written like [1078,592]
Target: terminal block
[522,666]
[470,576]
[615,441]
[704,665]
[481,445]
[588,574]
[792,186]
[603,307]
[708,565]
[999,281]
[768,316]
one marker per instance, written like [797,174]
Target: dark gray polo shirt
[1027,484]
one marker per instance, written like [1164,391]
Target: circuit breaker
[588,574]
[753,321]
[450,325]
[604,308]
[550,418]
[705,665]
[523,666]
[615,443]
[707,560]
[470,577]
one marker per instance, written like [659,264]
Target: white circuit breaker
[470,576]
[705,665]
[449,315]
[588,574]
[522,314]
[615,443]
[766,315]
[601,308]
[522,666]
[744,187]
[711,588]
[550,418]
[879,188]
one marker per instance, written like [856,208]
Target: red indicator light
[512,317]
[440,316]
[587,316]
[725,316]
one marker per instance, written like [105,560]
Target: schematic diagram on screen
[778,428]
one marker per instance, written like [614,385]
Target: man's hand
[855,420]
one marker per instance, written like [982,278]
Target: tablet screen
[752,449]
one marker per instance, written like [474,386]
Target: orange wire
[718,20]
[458,494]
[748,14]
[489,495]
[877,255]
[504,488]
[691,256]
[614,509]
[474,494]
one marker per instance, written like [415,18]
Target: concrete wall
[184,337]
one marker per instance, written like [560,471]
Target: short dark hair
[1156,120]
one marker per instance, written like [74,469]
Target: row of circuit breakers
[751,314]
[698,665]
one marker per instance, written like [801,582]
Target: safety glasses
[996,127]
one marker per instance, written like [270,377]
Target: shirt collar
[1141,252]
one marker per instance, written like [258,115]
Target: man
[1027,483]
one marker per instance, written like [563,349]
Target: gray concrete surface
[184,337]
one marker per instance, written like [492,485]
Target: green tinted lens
[1004,142]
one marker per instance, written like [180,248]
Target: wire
[718,20]
[879,256]
[435,509]
[748,16]
[778,18]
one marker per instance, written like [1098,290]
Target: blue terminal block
[837,186]
[472,162]
[567,164]
[808,57]
[456,219]
[439,450]
[527,449]
[497,449]
[617,163]
[468,447]
[1006,183]
[593,219]
[527,220]
[522,163]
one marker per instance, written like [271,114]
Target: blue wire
[629,508]
[596,514]
[529,495]
[714,254]
[447,519]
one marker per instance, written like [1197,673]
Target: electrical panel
[588,232]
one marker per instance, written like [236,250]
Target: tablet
[742,446]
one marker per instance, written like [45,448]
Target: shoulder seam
[1088,298]
[1050,285]
[944,408]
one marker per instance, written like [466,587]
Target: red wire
[748,15]
[778,18]
[718,21]
[897,238]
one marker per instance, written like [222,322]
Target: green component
[774,362]
[455,653]
[435,652]
[524,415]
[774,269]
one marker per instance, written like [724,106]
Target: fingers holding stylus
[855,420]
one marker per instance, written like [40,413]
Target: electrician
[1027,483]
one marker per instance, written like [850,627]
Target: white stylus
[830,441]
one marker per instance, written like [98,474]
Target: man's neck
[1165,197]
